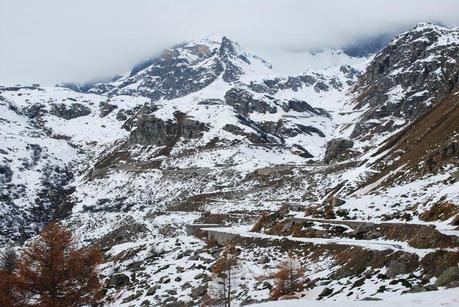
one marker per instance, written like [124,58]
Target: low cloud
[49,41]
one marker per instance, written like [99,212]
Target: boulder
[325,292]
[121,115]
[71,111]
[365,231]
[263,259]
[396,268]
[171,292]
[448,276]
[132,297]
[106,108]
[336,201]
[417,289]
[118,281]
[338,150]
[342,212]
[198,291]
[152,290]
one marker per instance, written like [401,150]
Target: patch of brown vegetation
[430,141]
[355,260]
[266,221]
[440,211]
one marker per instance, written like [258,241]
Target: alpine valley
[352,169]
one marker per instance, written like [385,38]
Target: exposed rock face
[5,174]
[244,103]
[435,159]
[338,150]
[35,110]
[256,138]
[426,144]
[71,111]
[283,129]
[405,78]
[150,130]
[448,276]
[319,82]
[106,108]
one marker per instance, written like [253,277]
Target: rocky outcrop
[71,111]
[448,276]
[118,281]
[244,103]
[5,175]
[256,138]
[423,146]
[338,150]
[106,108]
[415,71]
[150,130]
[319,82]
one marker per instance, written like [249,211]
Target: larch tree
[288,278]
[222,292]
[53,272]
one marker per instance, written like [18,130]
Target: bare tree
[222,292]
[288,278]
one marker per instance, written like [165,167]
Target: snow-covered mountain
[188,68]
[208,133]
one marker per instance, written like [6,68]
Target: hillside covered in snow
[351,169]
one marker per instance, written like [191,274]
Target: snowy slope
[209,133]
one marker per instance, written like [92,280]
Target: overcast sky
[48,41]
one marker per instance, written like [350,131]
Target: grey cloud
[48,41]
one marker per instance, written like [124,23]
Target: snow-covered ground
[444,298]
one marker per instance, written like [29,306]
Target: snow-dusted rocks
[186,69]
[412,73]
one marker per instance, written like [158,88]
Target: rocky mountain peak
[185,69]
[413,72]
[227,46]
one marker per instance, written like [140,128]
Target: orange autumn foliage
[288,278]
[52,272]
